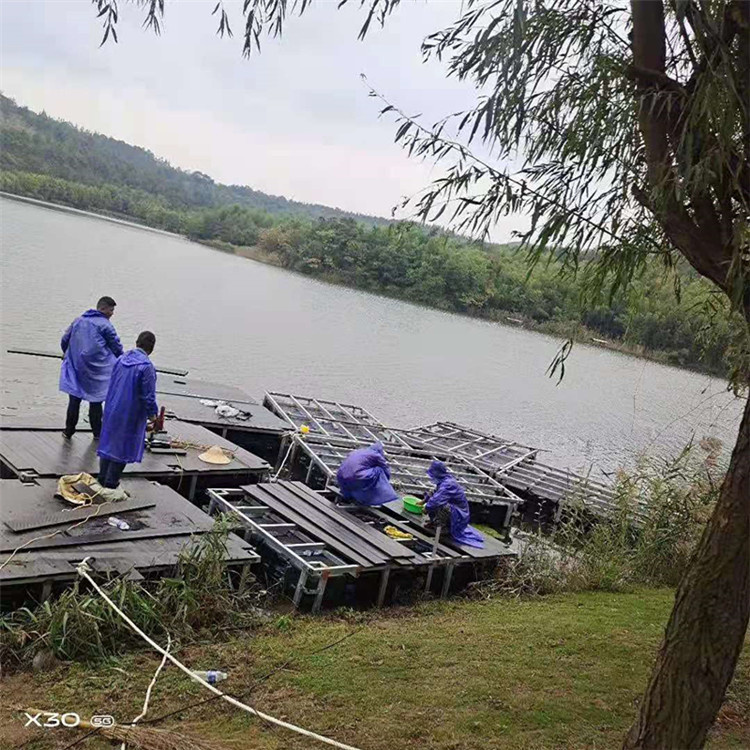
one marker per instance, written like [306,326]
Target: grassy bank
[560,672]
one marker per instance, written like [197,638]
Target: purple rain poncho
[91,348]
[449,491]
[131,400]
[364,477]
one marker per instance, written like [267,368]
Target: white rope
[83,571]
[151,687]
[283,463]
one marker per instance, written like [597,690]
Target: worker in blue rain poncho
[364,476]
[90,348]
[130,404]
[448,507]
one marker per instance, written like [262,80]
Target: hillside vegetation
[54,161]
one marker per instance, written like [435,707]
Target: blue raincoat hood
[437,471]
[134,357]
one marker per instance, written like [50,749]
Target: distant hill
[35,143]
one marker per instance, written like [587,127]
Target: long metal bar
[384,576]
[300,589]
[448,576]
[59,355]
[317,603]
[278,410]
[310,416]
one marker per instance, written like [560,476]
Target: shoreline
[506,318]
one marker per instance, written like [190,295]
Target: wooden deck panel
[201,389]
[49,454]
[493,548]
[159,528]
[341,540]
[189,409]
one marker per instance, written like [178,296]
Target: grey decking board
[169,514]
[341,539]
[492,548]
[193,388]
[68,515]
[167,526]
[331,533]
[50,454]
[388,545]
[190,409]
[141,554]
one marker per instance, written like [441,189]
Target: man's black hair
[146,341]
[105,302]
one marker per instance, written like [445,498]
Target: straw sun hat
[215,455]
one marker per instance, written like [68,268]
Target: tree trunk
[706,630]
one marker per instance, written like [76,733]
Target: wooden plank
[384,542]
[189,409]
[320,520]
[169,515]
[492,548]
[144,555]
[330,533]
[202,389]
[68,515]
[49,454]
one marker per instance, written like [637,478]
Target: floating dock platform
[320,549]
[43,452]
[325,551]
[254,428]
[42,538]
[496,473]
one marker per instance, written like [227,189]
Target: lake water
[233,320]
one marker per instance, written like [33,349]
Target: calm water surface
[258,327]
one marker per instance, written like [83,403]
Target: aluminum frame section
[494,453]
[318,569]
[409,469]
[331,418]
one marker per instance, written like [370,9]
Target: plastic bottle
[212,676]
[119,523]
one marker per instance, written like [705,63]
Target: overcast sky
[295,120]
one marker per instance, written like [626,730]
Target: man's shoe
[66,436]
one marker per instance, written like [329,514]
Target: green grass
[560,672]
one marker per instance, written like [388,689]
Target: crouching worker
[448,507]
[364,476]
[130,403]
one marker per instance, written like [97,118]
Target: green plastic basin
[411,504]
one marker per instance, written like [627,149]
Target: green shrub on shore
[662,509]
[80,625]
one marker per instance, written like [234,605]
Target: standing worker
[448,507]
[131,403]
[90,348]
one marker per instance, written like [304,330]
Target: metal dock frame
[331,418]
[408,469]
[523,471]
[308,569]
